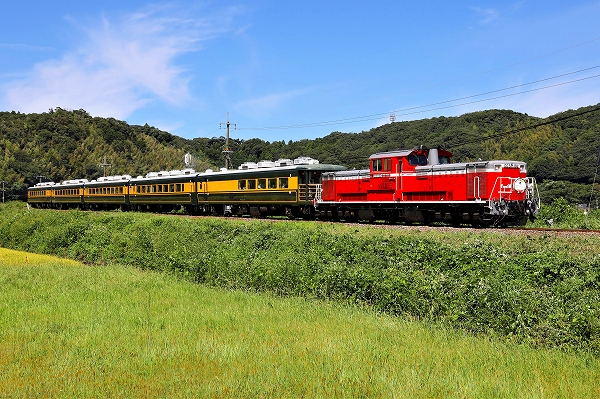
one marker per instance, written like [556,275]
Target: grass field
[539,289]
[69,330]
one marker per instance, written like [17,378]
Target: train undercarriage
[478,214]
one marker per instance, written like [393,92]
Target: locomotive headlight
[519,185]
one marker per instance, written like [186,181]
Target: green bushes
[564,215]
[541,290]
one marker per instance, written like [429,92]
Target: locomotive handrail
[530,191]
[311,193]
[476,188]
[504,188]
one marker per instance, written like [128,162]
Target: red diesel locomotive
[423,185]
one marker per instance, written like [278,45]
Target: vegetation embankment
[73,331]
[562,215]
[540,289]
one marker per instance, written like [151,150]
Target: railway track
[382,225]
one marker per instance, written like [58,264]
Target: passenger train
[420,185]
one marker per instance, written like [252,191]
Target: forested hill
[59,145]
[62,144]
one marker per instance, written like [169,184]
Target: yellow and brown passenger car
[283,187]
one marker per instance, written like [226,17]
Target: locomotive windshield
[444,160]
[417,160]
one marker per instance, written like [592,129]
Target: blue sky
[290,70]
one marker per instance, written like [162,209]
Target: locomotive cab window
[417,160]
[383,164]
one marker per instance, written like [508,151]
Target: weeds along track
[556,232]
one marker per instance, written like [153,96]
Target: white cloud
[269,103]
[124,64]
[558,99]
[487,14]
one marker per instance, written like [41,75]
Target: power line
[503,134]
[464,77]
[209,123]
[361,119]
[372,117]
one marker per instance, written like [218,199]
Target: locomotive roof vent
[223,169]
[284,162]
[209,170]
[305,161]
[266,164]
[151,174]
[175,172]
[188,171]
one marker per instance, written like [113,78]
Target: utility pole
[104,165]
[3,183]
[227,151]
[594,182]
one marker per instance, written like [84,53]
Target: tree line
[67,144]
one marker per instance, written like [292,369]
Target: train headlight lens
[519,185]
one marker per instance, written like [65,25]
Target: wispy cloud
[123,64]
[487,15]
[558,99]
[270,103]
[27,47]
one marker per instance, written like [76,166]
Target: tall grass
[109,331]
[543,290]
